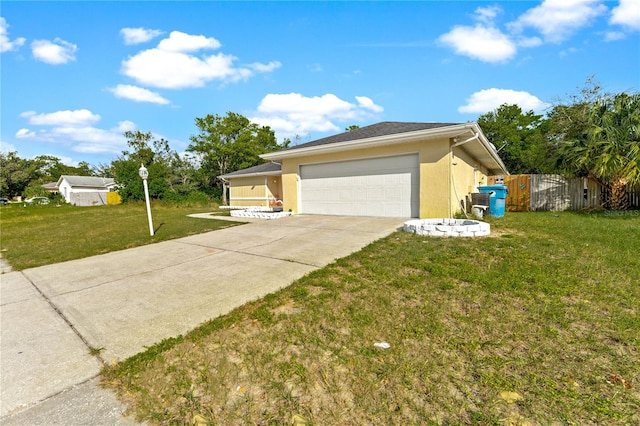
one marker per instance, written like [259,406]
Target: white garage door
[386,187]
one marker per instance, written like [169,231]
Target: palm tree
[610,152]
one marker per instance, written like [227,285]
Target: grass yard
[537,324]
[43,234]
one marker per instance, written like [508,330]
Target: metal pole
[146,196]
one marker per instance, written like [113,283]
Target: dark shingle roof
[375,130]
[261,168]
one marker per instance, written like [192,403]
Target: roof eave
[231,176]
[501,169]
[447,131]
[395,138]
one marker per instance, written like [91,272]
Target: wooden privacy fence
[557,193]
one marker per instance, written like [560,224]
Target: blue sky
[76,75]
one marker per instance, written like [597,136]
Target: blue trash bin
[497,198]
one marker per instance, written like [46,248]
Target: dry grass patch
[538,328]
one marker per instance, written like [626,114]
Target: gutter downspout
[452,164]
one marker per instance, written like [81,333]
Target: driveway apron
[61,322]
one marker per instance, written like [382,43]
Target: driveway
[122,302]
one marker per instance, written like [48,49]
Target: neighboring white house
[85,190]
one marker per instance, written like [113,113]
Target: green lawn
[537,324]
[33,236]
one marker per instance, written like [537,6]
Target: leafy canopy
[229,143]
[520,138]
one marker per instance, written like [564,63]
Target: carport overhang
[467,136]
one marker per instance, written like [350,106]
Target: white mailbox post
[144,174]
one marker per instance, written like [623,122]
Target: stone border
[259,214]
[447,227]
[249,208]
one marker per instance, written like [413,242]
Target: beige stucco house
[256,186]
[389,169]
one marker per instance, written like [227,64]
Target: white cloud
[627,14]
[265,67]
[138,35]
[138,94]
[7,45]
[293,114]
[25,133]
[174,70]
[489,99]
[6,147]
[367,103]
[73,129]
[54,52]
[487,44]
[614,35]
[172,64]
[487,14]
[182,42]
[65,160]
[528,41]
[558,19]
[125,126]
[77,117]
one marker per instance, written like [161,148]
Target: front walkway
[61,322]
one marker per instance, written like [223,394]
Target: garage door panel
[386,186]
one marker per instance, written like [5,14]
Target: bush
[198,197]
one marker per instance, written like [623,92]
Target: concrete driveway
[123,302]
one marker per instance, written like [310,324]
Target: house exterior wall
[274,188]
[68,192]
[466,175]
[436,173]
[249,191]
[65,190]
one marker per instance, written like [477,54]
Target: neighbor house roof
[266,169]
[50,186]
[86,181]
[392,132]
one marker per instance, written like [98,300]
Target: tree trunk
[224,193]
[619,199]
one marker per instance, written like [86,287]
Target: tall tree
[568,120]
[20,176]
[51,168]
[156,156]
[15,174]
[229,143]
[610,150]
[519,137]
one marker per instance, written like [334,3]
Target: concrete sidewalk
[122,302]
